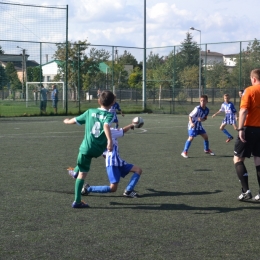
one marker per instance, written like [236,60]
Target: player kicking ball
[196,117]
[116,168]
[230,116]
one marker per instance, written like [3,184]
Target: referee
[248,141]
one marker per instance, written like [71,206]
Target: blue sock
[206,145]
[187,146]
[226,133]
[133,181]
[99,189]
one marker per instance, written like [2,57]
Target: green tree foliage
[217,76]
[135,78]
[12,77]
[127,59]
[1,50]
[189,77]
[250,59]
[3,77]
[81,67]
[154,61]
[34,74]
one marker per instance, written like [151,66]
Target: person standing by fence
[43,96]
[54,97]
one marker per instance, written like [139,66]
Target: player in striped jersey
[230,117]
[116,168]
[115,107]
[198,115]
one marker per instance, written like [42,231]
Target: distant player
[115,107]
[230,117]
[198,115]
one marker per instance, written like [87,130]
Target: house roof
[211,53]
[59,62]
[103,67]
[18,64]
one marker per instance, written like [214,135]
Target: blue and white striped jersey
[198,112]
[228,108]
[113,158]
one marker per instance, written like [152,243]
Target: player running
[230,116]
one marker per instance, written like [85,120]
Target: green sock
[78,187]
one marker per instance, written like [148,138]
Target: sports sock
[133,181]
[206,145]
[226,133]
[99,189]
[242,175]
[187,146]
[258,175]
[78,187]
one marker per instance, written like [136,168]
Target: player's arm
[70,121]
[216,113]
[242,118]
[109,137]
[128,127]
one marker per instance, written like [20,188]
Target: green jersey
[95,140]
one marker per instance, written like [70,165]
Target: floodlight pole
[144,60]
[192,28]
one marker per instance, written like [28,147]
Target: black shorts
[252,145]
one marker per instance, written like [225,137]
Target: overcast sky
[121,22]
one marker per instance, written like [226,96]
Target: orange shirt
[251,101]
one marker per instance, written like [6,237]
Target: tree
[154,61]
[127,59]
[1,50]
[3,77]
[189,77]
[217,76]
[12,77]
[135,78]
[250,59]
[34,74]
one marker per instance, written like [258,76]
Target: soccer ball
[138,122]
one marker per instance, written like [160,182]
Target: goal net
[33,92]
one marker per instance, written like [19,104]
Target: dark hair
[106,98]
[204,96]
[241,90]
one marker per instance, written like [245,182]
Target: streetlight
[23,68]
[192,28]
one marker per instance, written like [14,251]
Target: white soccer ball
[138,122]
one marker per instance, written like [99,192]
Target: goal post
[33,91]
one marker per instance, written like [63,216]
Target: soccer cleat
[71,173]
[82,204]
[229,139]
[184,154]
[84,190]
[257,197]
[130,194]
[245,196]
[209,152]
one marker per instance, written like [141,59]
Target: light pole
[24,78]
[192,28]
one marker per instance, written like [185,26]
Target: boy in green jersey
[97,138]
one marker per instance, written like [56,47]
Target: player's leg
[256,154]
[206,142]
[192,133]
[113,174]
[137,171]
[83,164]
[241,151]
[225,131]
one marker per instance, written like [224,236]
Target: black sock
[258,175]
[242,175]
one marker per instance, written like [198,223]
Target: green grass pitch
[188,207]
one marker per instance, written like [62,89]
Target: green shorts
[83,162]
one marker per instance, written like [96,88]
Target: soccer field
[188,207]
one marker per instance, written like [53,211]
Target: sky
[121,22]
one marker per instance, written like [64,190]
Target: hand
[65,121]
[241,135]
[109,146]
[213,115]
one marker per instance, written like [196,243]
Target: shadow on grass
[174,193]
[184,207]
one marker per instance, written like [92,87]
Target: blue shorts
[54,103]
[114,173]
[194,133]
